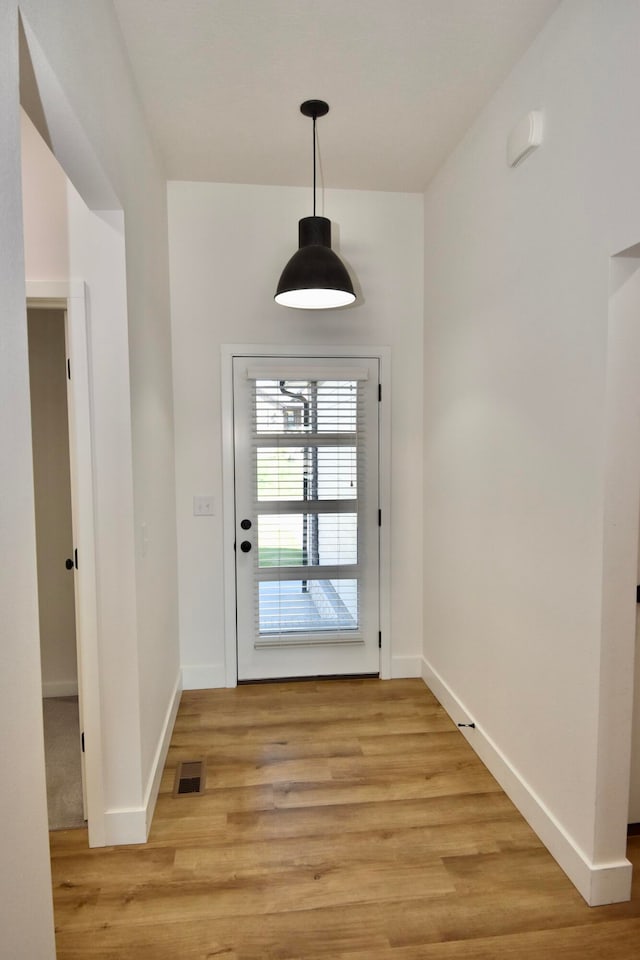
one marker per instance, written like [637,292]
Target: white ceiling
[221,82]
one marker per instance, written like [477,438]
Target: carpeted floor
[62,761]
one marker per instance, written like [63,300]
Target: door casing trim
[227,353]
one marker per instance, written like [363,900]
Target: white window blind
[308,454]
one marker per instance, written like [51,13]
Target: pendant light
[315,277]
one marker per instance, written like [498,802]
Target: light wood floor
[343,820]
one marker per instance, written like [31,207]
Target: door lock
[245,546]
[245,524]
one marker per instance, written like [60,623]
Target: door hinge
[68,369]
[379,392]
[380,639]
[379,518]
[82,739]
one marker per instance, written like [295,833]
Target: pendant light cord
[314,165]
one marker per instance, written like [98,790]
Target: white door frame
[71,297]
[228,352]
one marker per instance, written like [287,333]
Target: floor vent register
[190,778]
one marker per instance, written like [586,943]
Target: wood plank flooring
[342,820]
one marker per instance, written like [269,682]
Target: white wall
[26,913]
[56,218]
[98,133]
[44,207]
[520,593]
[96,254]
[228,245]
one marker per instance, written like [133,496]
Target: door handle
[69,563]
[245,524]
[245,546]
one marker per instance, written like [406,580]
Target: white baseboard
[598,883]
[59,688]
[160,758]
[125,825]
[207,676]
[406,667]
[132,824]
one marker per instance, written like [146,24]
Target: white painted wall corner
[124,825]
[406,667]
[132,824]
[204,676]
[160,758]
[598,883]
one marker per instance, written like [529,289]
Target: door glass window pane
[306,473]
[307,539]
[306,406]
[307,606]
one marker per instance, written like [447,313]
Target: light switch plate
[203,506]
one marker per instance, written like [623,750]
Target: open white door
[78,396]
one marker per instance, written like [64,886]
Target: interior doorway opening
[75,671]
[66,796]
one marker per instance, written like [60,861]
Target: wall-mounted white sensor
[524,138]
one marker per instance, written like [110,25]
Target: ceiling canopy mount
[314,108]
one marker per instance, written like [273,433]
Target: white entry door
[306,512]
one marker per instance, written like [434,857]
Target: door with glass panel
[306,480]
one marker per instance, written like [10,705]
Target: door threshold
[323,676]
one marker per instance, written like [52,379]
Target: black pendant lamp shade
[315,277]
